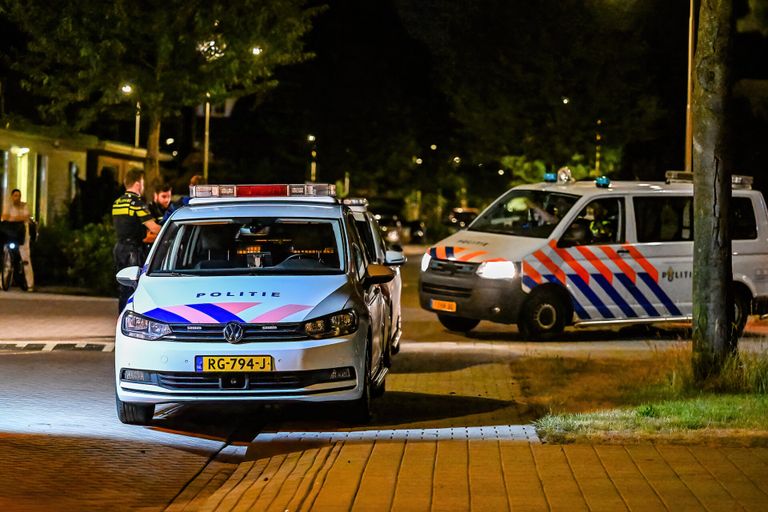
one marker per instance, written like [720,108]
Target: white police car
[589,253]
[393,257]
[253,292]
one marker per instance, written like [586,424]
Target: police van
[562,252]
[254,293]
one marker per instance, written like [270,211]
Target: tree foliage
[533,78]
[174,53]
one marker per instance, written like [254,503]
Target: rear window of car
[257,245]
[670,219]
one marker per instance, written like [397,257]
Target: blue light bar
[602,182]
[550,177]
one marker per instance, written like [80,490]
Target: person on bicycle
[131,219]
[17,211]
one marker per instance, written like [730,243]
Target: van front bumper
[497,300]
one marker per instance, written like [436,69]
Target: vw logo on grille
[233,332]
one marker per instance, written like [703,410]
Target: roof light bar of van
[277,190]
[737,180]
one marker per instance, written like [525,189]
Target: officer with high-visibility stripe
[131,219]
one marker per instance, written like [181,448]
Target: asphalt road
[64,449]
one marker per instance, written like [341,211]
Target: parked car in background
[380,252]
[391,228]
[460,218]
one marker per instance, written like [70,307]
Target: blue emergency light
[550,177]
[603,182]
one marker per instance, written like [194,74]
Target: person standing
[17,211]
[161,201]
[131,219]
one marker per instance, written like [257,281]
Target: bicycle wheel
[7,270]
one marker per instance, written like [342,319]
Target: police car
[392,256]
[562,253]
[254,292]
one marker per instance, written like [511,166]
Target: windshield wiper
[173,273]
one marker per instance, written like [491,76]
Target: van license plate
[233,363]
[443,305]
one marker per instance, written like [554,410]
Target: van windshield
[532,213]
[260,245]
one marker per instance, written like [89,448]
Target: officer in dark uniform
[131,220]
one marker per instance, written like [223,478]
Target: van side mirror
[377,274]
[129,276]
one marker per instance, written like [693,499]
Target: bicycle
[12,270]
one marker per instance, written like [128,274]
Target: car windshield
[532,213]
[257,245]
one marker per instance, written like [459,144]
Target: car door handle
[622,251]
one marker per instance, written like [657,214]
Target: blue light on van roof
[550,177]
[603,182]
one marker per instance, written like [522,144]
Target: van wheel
[457,323]
[542,316]
[742,306]
[134,414]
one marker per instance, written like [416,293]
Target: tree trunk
[152,161]
[714,337]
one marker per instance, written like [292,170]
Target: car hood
[477,247]
[247,299]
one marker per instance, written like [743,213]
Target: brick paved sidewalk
[481,475]
[42,319]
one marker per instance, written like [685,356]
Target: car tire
[359,411]
[742,305]
[457,323]
[543,315]
[134,413]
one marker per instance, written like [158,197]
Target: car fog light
[137,375]
[341,373]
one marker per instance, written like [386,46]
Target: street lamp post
[206,138]
[313,162]
[127,90]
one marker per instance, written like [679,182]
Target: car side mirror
[129,276]
[377,274]
[394,257]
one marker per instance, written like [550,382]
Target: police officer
[131,220]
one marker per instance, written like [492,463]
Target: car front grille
[450,291]
[452,267]
[251,333]
[253,381]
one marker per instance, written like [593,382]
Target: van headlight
[425,261]
[497,270]
[137,326]
[330,326]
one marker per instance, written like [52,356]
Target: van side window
[600,222]
[670,219]
[664,219]
[743,225]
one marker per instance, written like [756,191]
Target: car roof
[235,207]
[588,188]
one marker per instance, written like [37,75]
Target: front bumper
[497,300]
[307,370]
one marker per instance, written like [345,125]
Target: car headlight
[425,261]
[330,326]
[497,270]
[137,326]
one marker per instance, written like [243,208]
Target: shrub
[90,256]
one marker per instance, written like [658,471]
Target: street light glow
[311,138]
[433,147]
[501,172]
[456,160]
[419,161]
[126,88]
[566,100]
[169,141]
[256,50]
